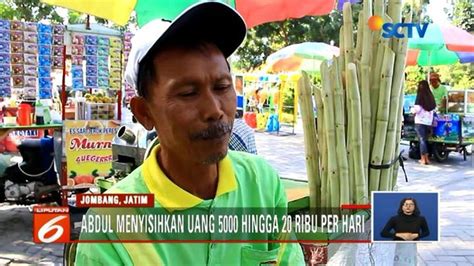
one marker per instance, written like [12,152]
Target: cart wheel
[440,152]
[414,151]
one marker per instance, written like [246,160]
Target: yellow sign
[89,149]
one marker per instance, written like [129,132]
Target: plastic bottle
[39,113]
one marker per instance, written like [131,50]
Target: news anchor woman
[408,225]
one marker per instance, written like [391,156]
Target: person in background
[439,91]
[424,111]
[408,225]
[242,138]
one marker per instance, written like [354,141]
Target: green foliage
[266,39]
[29,10]
[462,15]
[414,74]
[458,76]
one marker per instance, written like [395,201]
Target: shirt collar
[171,196]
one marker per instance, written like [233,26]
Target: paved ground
[453,179]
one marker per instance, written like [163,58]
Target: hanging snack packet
[16,25]
[57,50]
[58,39]
[103,72]
[16,36]
[4,36]
[91,71]
[45,83]
[4,24]
[5,47]
[77,72]
[91,82]
[45,50]
[31,59]
[4,59]
[16,47]
[18,69]
[44,72]
[115,53]
[57,62]
[44,29]
[30,81]
[18,81]
[17,59]
[91,40]
[44,39]
[31,26]
[77,50]
[76,60]
[58,29]
[44,61]
[115,73]
[114,83]
[4,81]
[91,60]
[115,42]
[103,41]
[31,48]
[103,61]
[5,70]
[78,39]
[103,51]
[30,71]
[30,37]
[103,82]
[91,50]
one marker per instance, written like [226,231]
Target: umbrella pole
[429,66]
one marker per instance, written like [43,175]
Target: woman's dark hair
[416,212]
[424,96]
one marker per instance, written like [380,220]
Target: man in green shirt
[439,91]
[185,92]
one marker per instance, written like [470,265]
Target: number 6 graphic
[48,227]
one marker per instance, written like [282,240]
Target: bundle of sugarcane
[352,148]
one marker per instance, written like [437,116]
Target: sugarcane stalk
[365,86]
[394,120]
[347,26]
[341,58]
[382,117]
[398,135]
[394,10]
[310,140]
[401,56]
[322,146]
[361,195]
[342,163]
[360,36]
[378,10]
[376,75]
[328,102]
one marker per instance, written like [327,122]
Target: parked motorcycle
[35,179]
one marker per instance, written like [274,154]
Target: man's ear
[141,112]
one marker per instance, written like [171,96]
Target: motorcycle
[34,180]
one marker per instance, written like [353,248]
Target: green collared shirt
[245,180]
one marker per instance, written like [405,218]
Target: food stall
[452,131]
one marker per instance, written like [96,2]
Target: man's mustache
[212,132]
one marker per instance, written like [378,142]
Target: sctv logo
[390,30]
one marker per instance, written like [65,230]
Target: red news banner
[52,224]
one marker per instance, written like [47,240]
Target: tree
[462,15]
[28,10]
[267,38]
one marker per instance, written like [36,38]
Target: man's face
[434,82]
[193,103]
[408,207]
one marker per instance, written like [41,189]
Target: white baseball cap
[215,22]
